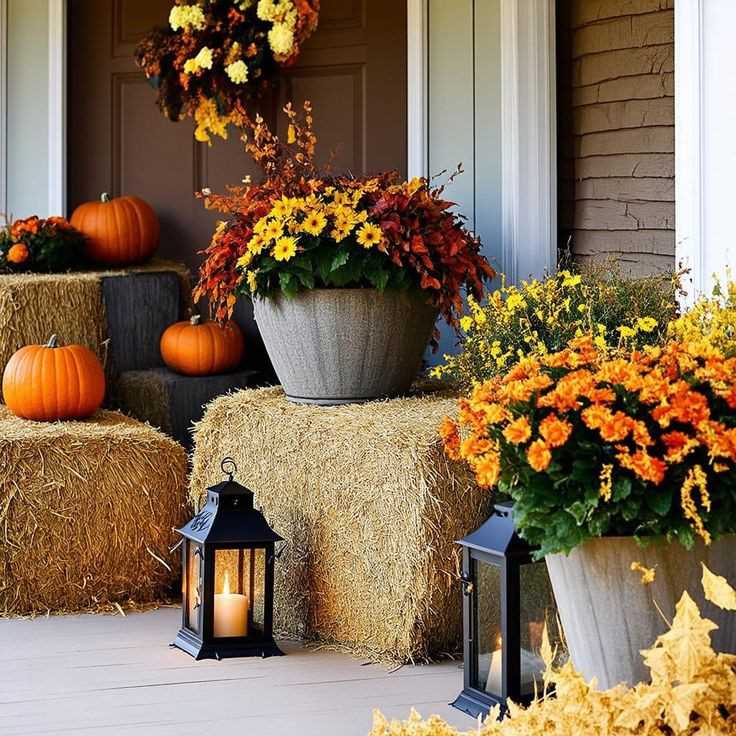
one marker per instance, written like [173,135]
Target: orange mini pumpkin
[48,382]
[197,348]
[120,231]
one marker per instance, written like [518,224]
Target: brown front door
[353,69]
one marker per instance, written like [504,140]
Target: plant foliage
[35,244]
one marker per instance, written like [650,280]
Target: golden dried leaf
[718,591]
[647,573]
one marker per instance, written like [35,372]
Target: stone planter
[338,346]
[608,616]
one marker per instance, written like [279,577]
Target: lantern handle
[229,467]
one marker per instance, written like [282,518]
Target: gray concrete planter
[608,616]
[338,346]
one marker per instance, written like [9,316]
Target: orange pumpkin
[48,382]
[120,231]
[197,348]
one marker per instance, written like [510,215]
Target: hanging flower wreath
[218,56]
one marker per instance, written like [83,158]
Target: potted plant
[614,461]
[347,274]
[41,245]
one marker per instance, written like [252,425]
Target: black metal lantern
[228,554]
[508,600]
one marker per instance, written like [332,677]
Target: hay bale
[370,507]
[173,402]
[35,306]
[86,508]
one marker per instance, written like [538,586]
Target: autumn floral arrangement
[692,690]
[217,57]
[541,316]
[300,229]
[592,443]
[36,244]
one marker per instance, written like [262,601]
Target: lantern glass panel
[192,582]
[537,608]
[488,640]
[258,609]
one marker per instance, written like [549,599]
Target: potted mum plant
[40,244]
[615,462]
[347,275]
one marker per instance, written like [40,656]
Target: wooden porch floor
[115,675]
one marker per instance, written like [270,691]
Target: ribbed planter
[338,346]
[608,616]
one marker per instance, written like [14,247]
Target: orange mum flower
[487,469]
[450,435]
[539,456]
[518,432]
[643,465]
[474,446]
[18,253]
[555,431]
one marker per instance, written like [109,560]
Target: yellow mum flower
[314,224]
[204,58]
[274,230]
[186,17]
[256,245]
[466,323]
[245,259]
[370,235]
[281,39]
[285,248]
[251,279]
[646,324]
[282,207]
[237,71]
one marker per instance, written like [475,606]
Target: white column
[705,139]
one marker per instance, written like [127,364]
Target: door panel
[353,69]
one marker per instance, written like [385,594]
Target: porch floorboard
[117,675]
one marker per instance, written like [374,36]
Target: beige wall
[621,120]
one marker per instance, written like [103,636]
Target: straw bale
[86,512]
[35,306]
[370,508]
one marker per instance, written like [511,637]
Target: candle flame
[226,584]
[499,642]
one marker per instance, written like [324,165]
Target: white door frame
[55,200]
[3,109]
[529,129]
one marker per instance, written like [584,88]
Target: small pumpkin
[196,348]
[49,382]
[120,231]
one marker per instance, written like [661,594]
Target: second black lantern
[507,603]
[228,575]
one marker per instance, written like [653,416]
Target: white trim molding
[705,149]
[57,107]
[529,134]
[417,153]
[3,109]
[689,184]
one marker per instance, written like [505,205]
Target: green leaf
[340,259]
[289,284]
[621,488]
[659,501]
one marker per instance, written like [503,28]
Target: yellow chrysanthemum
[314,223]
[285,248]
[237,71]
[274,230]
[187,17]
[251,280]
[281,40]
[369,235]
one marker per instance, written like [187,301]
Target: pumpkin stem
[104,197]
[195,319]
[53,342]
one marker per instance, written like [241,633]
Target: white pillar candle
[231,612]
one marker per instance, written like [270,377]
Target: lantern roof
[229,517]
[497,536]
